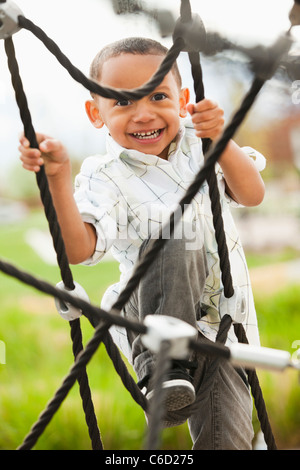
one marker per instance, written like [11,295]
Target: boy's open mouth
[149,135]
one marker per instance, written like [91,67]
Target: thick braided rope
[185,10]
[225,268]
[257,395]
[57,241]
[196,69]
[62,392]
[84,389]
[41,179]
[214,193]
[94,87]
[224,261]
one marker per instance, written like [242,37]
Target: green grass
[39,356]
[279,324]
[255,260]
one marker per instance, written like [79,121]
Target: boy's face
[148,125]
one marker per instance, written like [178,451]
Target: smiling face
[150,124]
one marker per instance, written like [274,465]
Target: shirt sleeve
[258,159]
[260,163]
[99,204]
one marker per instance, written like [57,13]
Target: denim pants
[174,286]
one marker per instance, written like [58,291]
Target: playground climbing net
[189,35]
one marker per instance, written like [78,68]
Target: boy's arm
[79,237]
[243,181]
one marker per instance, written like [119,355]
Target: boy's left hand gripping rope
[9,19]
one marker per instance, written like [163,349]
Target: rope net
[101,320]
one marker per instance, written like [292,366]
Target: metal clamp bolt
[65,309]
[234,306]
[165,328]
[192,32]
[294,15]
[9,22]
[250,356]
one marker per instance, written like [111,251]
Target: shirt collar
[138,158]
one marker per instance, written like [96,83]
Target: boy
[122,198]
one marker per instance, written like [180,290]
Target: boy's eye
[159,97]
[123,102]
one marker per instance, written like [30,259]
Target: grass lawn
[39,356]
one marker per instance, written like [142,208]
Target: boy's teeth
[147,135]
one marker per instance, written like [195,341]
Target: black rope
[75,372]
[56,237]
[214,193]
[257,395]
[225,263]
[120,367]
[185,11]
[84,389]
[41,178]
[94,314]
[94,87]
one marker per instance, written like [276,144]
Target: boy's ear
[183,101]
[92,111]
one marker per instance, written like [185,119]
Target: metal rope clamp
[176,332]
[9,19]
[234,306]
[65,309]
[192,32]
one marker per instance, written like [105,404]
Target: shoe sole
[179,394]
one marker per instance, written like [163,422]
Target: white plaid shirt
[126,194]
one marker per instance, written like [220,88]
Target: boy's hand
[51,153]
[208,119]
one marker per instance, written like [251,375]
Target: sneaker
[180,391]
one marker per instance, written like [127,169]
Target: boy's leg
[172,286]
[223,420]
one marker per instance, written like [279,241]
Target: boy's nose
[142,112]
